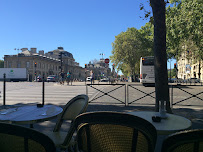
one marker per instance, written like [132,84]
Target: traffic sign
[106,60]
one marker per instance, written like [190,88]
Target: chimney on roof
[33,50]
[60,48]
[24,49]
[41,52]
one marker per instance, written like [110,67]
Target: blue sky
[84,28]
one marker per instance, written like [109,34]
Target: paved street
[31,92]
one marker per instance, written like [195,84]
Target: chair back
[14,138]
[114,132]
[184,141]
[72,109]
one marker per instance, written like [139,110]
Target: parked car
[52,78]
[104,80]
[179,80]
[88,79]
[193,80]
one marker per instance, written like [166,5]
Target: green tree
[1,64]
[172,73]
[184,29]
[128,47]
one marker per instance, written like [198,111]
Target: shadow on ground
[195,115]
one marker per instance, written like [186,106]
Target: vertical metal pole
[35,72]
[4,98]
[126,94]
[43,89]
[86,90]
[170,70]
[85,76]
[61,62]
[171,97]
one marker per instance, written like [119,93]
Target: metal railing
[187,95]
[107,92]
[134,93]
[145,94]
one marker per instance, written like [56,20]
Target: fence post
[4,98]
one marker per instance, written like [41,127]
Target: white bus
[147,75]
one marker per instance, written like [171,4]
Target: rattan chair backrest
[72,109]
[184,141]
[114,132]
[14,138]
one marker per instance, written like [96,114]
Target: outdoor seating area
[95,131]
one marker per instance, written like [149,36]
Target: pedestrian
[68,77]
[92,77]
[62,74]
[39,79]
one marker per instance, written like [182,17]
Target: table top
[29,114]
[171,124]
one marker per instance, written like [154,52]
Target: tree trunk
[161,74]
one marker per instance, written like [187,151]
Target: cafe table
[29,114]
[171,124]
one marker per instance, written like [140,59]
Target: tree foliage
[184,27]
[1,64]
[129,46]
[172,73]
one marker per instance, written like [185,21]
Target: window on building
[27,64]
[18,65]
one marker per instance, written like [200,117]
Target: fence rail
[135,93]
[107,92]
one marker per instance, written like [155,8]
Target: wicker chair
[184,141]
[14,138]
[114,132]
[73,108]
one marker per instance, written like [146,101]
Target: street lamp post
[170,70]
[102,54]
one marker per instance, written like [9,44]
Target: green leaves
[184,26]
[1,64]
[129,46]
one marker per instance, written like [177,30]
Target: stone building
[189,67]
[100,69]
[44,63]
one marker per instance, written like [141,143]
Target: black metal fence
[137,94]
[109,91]
[186,95]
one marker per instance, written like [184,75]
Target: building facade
[100,69]
[45,63]
[189,67]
